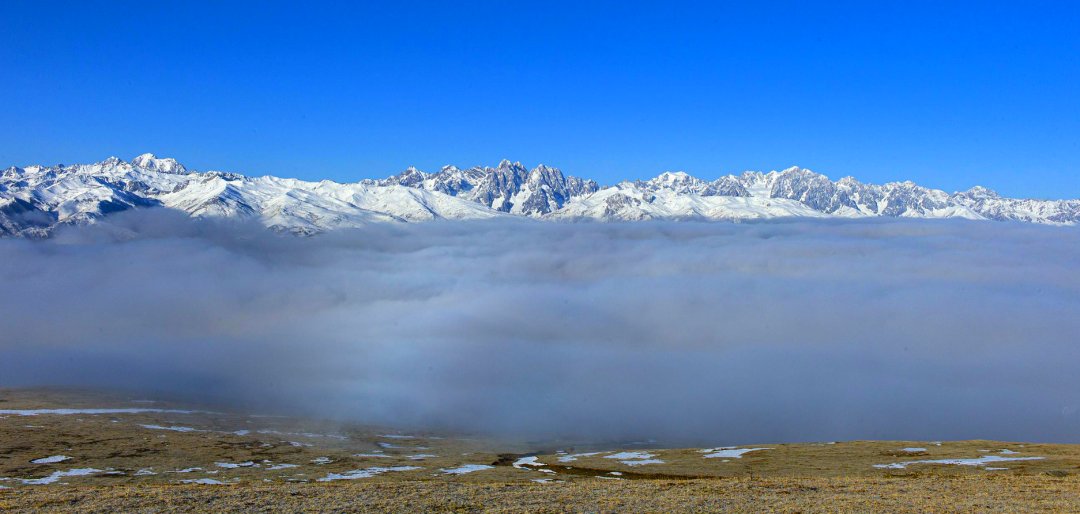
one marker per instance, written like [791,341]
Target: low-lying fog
[688,333]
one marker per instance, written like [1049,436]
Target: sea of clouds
[688,333]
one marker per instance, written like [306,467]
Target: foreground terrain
[63,450]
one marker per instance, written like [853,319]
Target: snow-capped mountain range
[36,199]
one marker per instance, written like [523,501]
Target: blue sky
[946,94]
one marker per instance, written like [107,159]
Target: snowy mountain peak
[36,199]
[509,187]
[505,164]
[981,192]
[683,183]
[412,176]
[149,161]
[673,177]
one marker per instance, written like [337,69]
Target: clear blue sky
[946,94]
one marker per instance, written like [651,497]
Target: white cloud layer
[685,332]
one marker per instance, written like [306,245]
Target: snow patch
[365,473]
[234,465]
[527,461]
[574,457]
[173,428]
[980,461]
[57,475]
[641,462]
[630,455]
[466,468]
[202,481]
[635,458]
[729,452]
[51,460]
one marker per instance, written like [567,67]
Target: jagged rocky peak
[411,177]
[505,164]
[149,161]
[681,182]
[509,187]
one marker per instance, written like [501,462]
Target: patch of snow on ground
[421,456]
[531,461]
[321,460]
[145,472]
[630,455]
[641,462]
[729,452]
[527,461]
[371,455]
[173,428]
[1008,452]
[51,460]
[913,449]
[186,470]
[57,475]
[572,458]
[232,465]
[635,458]
[276,467]
[364,473]
[980,461]
[203,481]
[466,468]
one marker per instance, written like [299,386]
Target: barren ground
[154,459]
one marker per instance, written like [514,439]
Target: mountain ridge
[35,200]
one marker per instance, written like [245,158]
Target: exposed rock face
[510,187]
